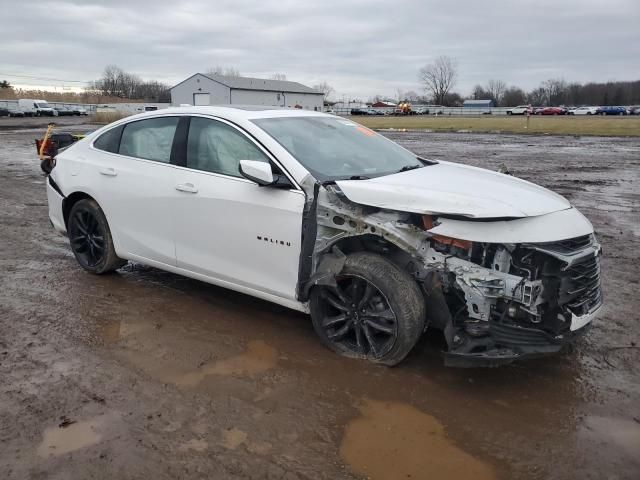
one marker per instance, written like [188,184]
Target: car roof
[238,112]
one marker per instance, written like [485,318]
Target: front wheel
[375,311]
[90,238]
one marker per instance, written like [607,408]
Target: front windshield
[42,105]
[337,149]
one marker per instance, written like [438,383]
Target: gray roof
[478,102]
[248,83]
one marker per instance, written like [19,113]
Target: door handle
[109,172]
[187,187]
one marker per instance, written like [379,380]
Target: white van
[36,108]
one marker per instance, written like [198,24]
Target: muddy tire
[376,311]
[90,238]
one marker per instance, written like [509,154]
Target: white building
[209,89]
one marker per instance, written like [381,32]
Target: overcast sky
[360,47]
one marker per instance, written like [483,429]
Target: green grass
[562,125]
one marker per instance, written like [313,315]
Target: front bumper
[506,343]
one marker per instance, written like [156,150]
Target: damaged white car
[323,215]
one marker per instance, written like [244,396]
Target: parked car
[36,108]
[64,111]
[520,110]
[4,112]
[322,215]
[358,111]
[551,111]
[16,112]
[634,110]
[421,110]
[611,111]
[583,111]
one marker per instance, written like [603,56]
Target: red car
[551,111]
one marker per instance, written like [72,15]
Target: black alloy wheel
[90,238]
[358,318]
[375,310]
[87,238]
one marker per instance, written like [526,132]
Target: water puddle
[233,438]
[258,358]
[397,441]
[57,440]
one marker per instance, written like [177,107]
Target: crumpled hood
[454,189]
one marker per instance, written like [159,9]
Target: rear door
[135,180]
[227,227]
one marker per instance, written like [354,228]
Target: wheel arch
[70,201]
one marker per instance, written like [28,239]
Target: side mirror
[257,171]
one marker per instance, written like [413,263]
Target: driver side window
[216,147]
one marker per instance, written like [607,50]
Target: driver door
[227,227]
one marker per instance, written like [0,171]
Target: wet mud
[395,440]
[145,374]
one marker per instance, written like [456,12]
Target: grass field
[564,125]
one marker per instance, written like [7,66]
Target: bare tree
[439,77]
[556,90]
[513,96]
[278,76]
[224,71]
[496,89]
[411,96]
[115,82]
[326,89]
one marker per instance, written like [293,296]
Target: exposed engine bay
[495,302]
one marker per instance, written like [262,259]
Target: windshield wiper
[359,177]
[406,168]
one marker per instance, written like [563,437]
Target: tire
[389,314]
[589,113]
[90,238]
[509,112]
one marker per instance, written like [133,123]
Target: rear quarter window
[109,141]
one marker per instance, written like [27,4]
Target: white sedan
[322,215]
[584,111]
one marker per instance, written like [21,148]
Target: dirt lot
[144,374]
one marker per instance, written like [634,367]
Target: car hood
[453,189]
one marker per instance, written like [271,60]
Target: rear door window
[149,139]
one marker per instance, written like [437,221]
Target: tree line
[438,79]
[115,82]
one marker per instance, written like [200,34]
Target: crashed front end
[517,300]
[496,296]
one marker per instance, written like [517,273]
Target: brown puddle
[57,441]
[397,441]
[233,438]
[258,358]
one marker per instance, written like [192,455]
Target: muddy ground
[145,374]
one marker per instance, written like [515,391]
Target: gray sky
[360,47]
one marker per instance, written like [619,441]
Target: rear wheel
[90,238]
[376,310]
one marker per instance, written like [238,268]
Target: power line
[44,78]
